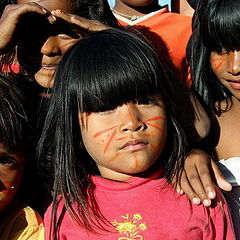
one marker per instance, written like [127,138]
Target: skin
[41,59]
[53,30]
[226,66]
[11,169]
[182,7]
[135,7]
[138,3]
[127,140]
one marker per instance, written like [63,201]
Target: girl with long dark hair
[114,133]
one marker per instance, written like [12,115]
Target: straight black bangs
[108,69]
[220,24]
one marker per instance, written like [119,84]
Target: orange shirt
[175,29]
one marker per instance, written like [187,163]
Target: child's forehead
[15,149]
[50,4]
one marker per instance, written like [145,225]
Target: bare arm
[9,23]
[79,23]
[200,172]
[199,177]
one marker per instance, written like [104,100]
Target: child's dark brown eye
[8,161]
[146,101]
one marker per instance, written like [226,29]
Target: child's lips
[50,67]
[234,83]
[134,145]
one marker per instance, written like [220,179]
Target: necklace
[131,17]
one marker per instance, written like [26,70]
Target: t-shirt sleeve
[34,229]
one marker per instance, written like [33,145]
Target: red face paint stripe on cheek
[115,157]
[147,135]
[215,69]
[119,139]
[6,182]
[155,126]
[7,190]
[103,131]
[217,59]
[154,119]
[154,147]
[110,140]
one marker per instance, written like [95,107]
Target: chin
[44,80]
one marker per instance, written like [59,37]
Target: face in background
[43,44]
[226,66]
[138,3]
[11,170]
[126,140]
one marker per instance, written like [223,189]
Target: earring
[12,187]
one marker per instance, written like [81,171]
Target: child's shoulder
[23,222]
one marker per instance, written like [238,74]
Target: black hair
[14,127]
[100,72]
[215,28]
[95,10]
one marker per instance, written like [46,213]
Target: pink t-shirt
[149,209]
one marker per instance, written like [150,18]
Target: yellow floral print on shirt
[130,227]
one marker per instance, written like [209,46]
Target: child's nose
[233,66]
[131,119]
[51,47]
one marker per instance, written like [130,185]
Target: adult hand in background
[199,177]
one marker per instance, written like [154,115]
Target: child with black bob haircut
[114,132]
[18,221]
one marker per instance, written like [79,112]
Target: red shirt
[149,209]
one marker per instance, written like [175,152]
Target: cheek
[6,198]
[104,138]
[64,45]
[218,63]
[9,184]
[10,179]
[161,136]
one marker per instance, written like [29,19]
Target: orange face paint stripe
[6,182]
[103,131]
[121,138]
[146,135]
[115,157]
[215,69]
[216,59]
[154,147]
[136,162]
[155,126]
[110,140]
[154,119]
